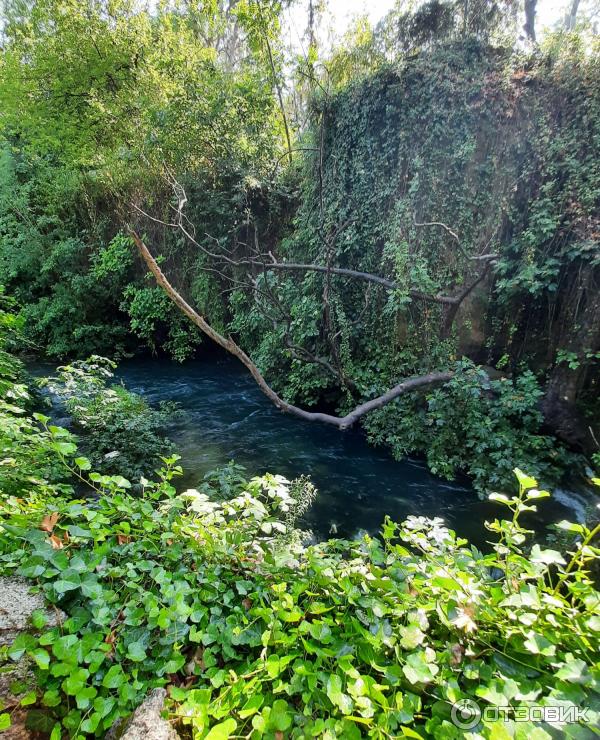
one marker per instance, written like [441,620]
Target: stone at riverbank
[17,604]
[146,723]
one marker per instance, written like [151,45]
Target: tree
[97,98]
[529,27]
[252,271]
[342,422]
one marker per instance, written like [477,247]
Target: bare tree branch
[259,258]
[439,223]
[378,280]
[276,82]
[341,422]
[225,260]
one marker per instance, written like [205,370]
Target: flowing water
[226,417]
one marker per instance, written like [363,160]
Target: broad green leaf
[222,731]
[251,706]
[418,669]
[337,697]
[136,651]
[280,717]
[538,644]
[411,636]
[114,677]
[41,657]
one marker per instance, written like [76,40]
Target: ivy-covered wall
[500,152]
[418,171]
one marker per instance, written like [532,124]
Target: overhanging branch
[341,422]
[357,274]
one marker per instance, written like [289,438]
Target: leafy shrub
[119,430]
[214,594]
[10,330]
[27,461]
[46,253]
[483,427]
[154,317]
[257,635]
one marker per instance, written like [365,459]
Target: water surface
[226,417]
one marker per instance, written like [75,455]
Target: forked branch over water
[341,422]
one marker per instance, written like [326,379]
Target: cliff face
[418,175]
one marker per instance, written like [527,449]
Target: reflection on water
[226,417]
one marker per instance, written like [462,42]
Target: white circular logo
[466,714]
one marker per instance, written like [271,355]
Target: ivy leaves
[383,637]
[255,633]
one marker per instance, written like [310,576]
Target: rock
[16,607]
[146,723]
[16,679]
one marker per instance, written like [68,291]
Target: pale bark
[530,12]
[227,343]
[571,18]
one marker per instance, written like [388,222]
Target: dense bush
[254,633]
[473,424]
[117,95]
[27,463]
[119,430]
[215,595]
[46,257]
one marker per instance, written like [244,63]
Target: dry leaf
[457,654]
[56,542]
[49,522]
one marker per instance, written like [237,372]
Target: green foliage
[431,141]
[473,424]
[256,634]
[11,327]
[45,258]
[116,97]
[506,164]
[28,461]
[115,259]
[572,359]
[154,319]
[119,430]
[214,594]
[106,82]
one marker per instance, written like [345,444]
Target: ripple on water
[225,416]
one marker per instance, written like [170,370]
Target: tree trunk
[571,17]
[529,27]
[341,422]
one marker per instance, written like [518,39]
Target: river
[226,417]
